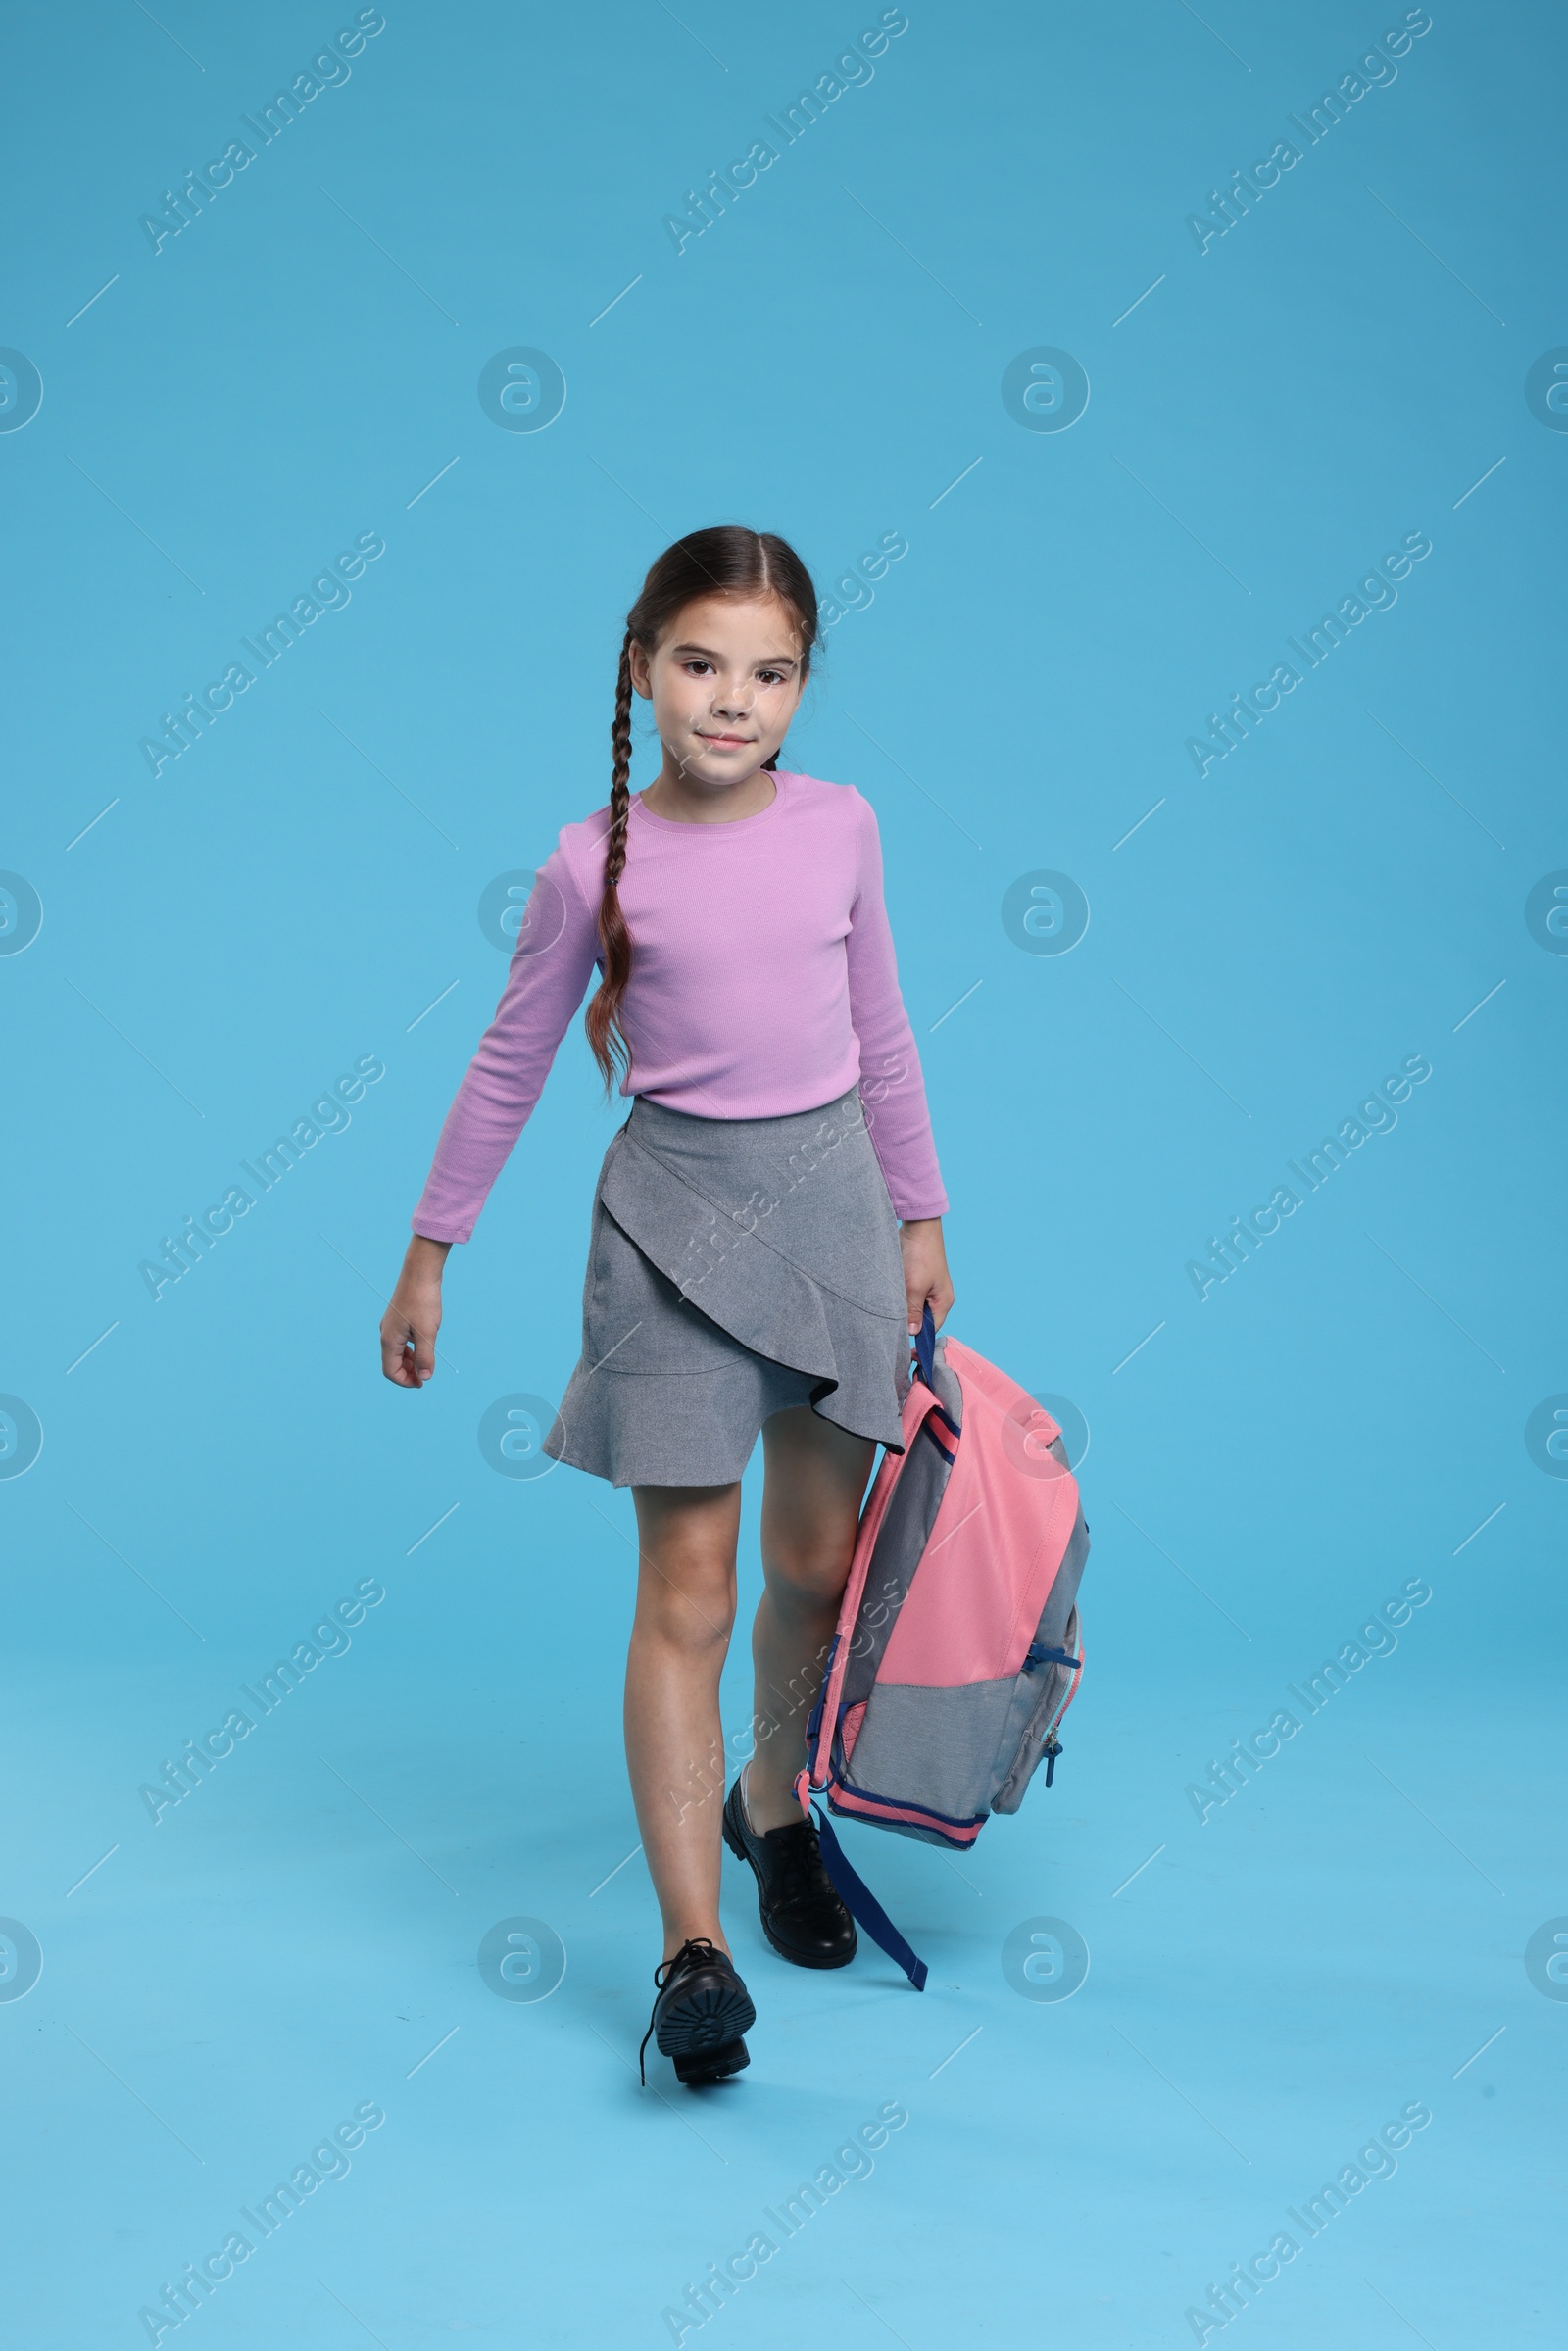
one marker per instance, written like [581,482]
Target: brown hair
[726,560]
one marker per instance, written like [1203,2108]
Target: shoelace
[800,1869]
[697,1951]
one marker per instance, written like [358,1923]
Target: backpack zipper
[1050,1744]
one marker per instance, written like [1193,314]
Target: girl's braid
[605,1032]
[620,795]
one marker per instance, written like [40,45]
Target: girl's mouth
[725,742]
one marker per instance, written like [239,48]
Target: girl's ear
[637,663]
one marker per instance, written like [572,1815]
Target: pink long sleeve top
[763,982]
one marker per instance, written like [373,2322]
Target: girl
[748,1268]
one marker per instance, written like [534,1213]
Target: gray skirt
[736,1266]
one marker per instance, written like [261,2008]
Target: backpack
[958,1649]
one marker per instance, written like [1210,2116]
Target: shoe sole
[705,2022]
[716,2065]
[794,1958]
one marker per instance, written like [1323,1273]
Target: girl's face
[725,680]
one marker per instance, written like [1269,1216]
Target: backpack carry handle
[924,1344]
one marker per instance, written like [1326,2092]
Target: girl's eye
[694,666]
[771,677]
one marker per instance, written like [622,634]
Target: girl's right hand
[412,1320]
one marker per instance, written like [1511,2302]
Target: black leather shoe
[702,2010]
[801,1914]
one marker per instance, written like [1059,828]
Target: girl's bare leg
[816,1480]
[674,1738]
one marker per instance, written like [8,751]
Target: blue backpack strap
[861,1902]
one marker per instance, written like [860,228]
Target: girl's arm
[550,970]
[893,1089]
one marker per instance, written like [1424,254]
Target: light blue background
[301,886]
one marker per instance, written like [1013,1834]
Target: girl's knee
[694,1615]
[804,1573]
[686,1553]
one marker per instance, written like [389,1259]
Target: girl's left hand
[925,1270]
